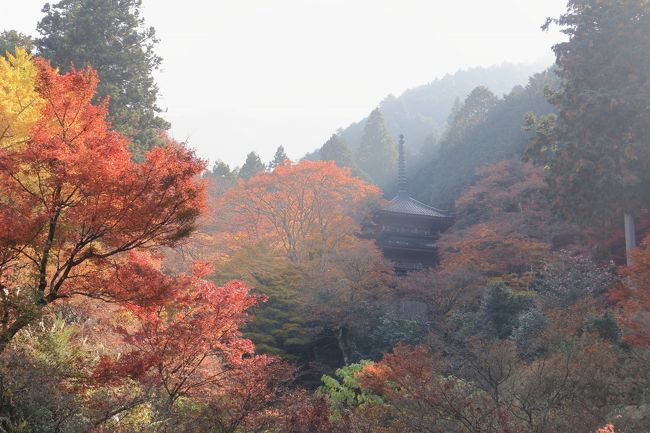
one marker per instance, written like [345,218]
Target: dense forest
[423,111]
[143,291]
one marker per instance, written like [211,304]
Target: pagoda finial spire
[401,174]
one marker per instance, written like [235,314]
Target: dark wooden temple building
[406,230]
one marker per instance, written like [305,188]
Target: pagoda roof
[403,204]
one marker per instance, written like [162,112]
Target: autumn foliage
[79,219]
[73,200]
[131,302]
[504,227]
[633,296]
[308,208]
[179,342]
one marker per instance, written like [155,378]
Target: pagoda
[406,230]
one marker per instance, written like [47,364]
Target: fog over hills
[423,110]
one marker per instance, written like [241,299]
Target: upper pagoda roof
[404,204]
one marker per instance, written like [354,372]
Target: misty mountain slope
[500,136]
[424,110]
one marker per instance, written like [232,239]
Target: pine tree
[377,154]
[279,157]
[252,166]
[467,116]
[336,149]
[221,169]
[112,37]
[219,180]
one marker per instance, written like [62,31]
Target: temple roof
[404,204]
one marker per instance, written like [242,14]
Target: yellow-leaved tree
[20,103]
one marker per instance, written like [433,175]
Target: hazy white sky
[242,75]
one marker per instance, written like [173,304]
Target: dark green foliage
[605,326]
[391,330]
[337,150]
[11,39]
[596,149]
[277,327]
[500,310]
[41,371]
[377,153]
[469,115]
[252,166]
[220,179]
[221,170]
[10,419]
[424,110]
[500,136]
[279,157]
[112,37]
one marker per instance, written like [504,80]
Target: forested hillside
[483,128]
[424,110]
[492,130]
[142,291]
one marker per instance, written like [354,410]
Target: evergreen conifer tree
[252,166]
[377,154]
[337,150]
[112,37]
[597,147]
[279,157]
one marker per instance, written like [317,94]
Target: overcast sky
[242,75]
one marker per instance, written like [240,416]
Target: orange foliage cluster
[504,227]
[302,209]
[492,391]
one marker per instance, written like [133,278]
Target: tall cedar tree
[597,146]
[220,179]
[279,157]
[111,37]
[377,154]
[464,118]
[337,150]
[252,166]
[73,203]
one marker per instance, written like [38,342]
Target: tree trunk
[630,237]
[341,339]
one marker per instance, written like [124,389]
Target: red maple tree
[74,203]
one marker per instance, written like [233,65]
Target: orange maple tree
[503,226]
[303,209]
[74,202]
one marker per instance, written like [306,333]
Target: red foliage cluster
[189,340]
[73,202]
